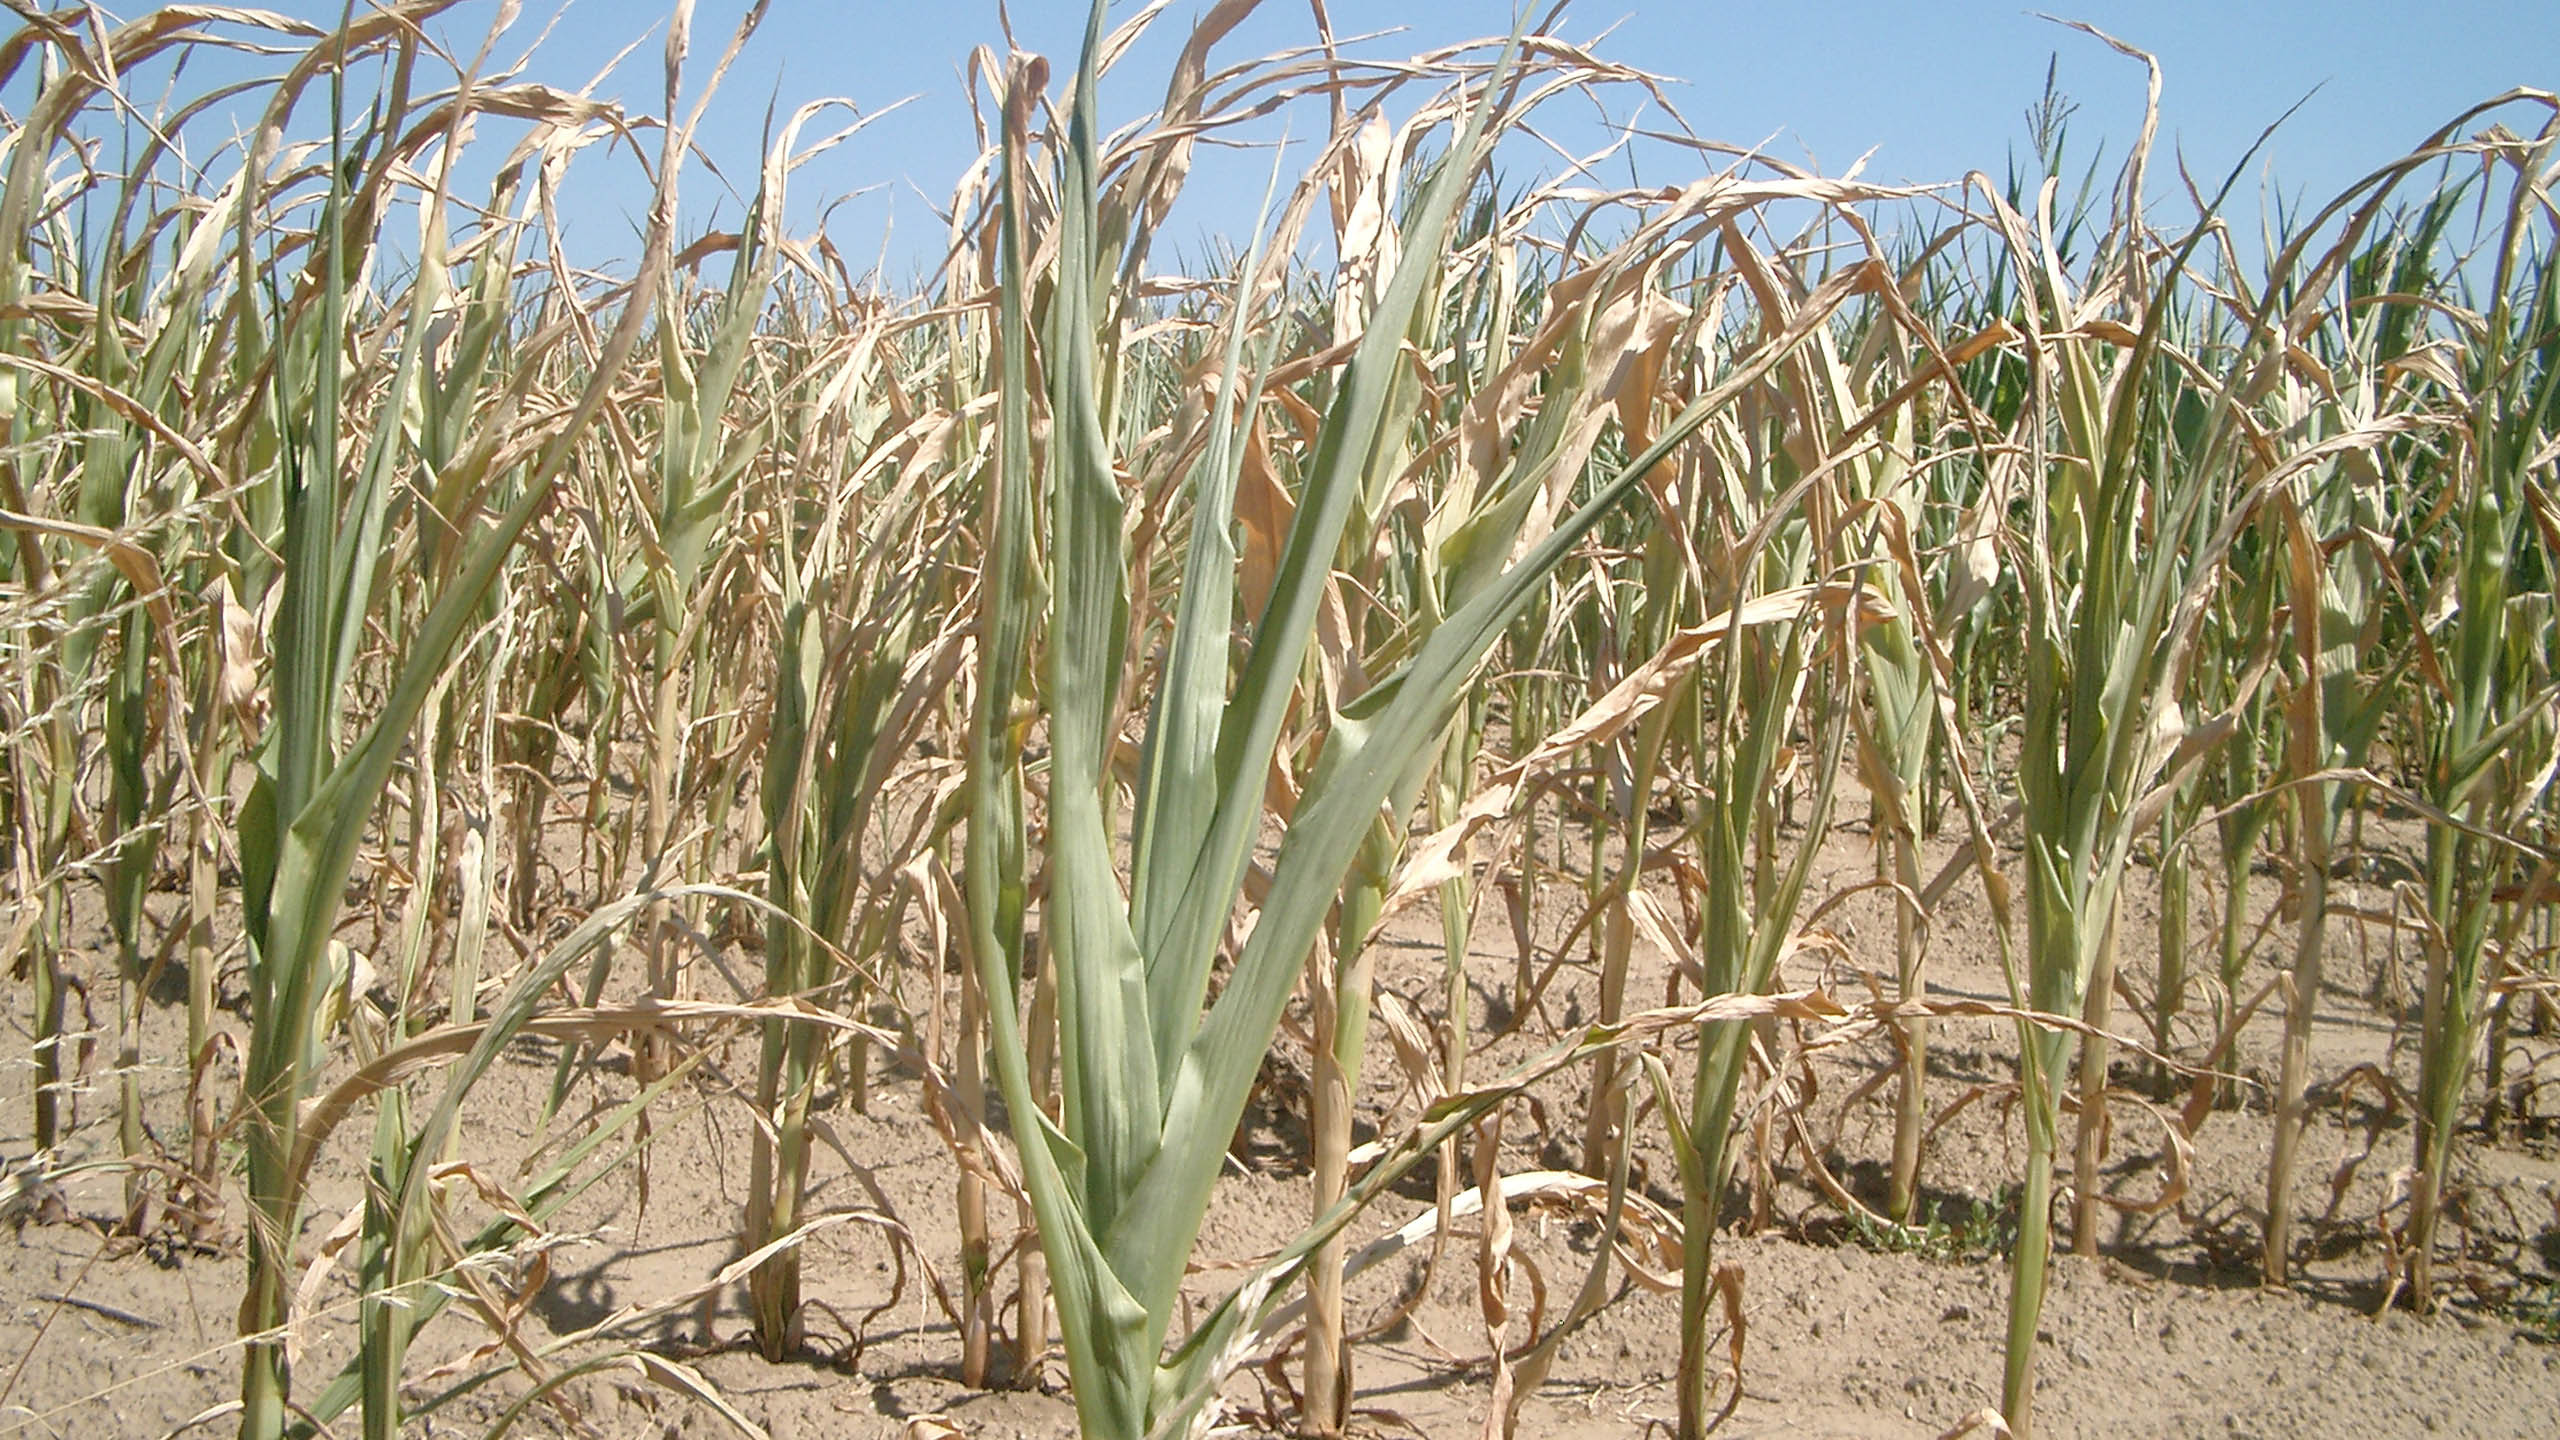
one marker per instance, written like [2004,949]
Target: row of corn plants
[1091,665]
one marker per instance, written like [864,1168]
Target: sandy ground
[2168,1335]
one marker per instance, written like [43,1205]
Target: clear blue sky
[1932,87]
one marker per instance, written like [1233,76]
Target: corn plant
[2127,519]
[2485,659]
[1592,355]
[1897,728]
[1153,1081]
[2344,683]
[859,666]
[1747,923]
[698,466]
[2237,785]
[312,798]
[1772,487]
[94,421]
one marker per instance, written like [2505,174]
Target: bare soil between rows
[2168,1335]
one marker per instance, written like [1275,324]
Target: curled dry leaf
[1987,1419]
[242,659]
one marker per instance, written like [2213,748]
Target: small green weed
[2535,1309]
[1987,1230]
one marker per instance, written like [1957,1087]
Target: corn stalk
[2485,659]
[1154,1076]
[312,799]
